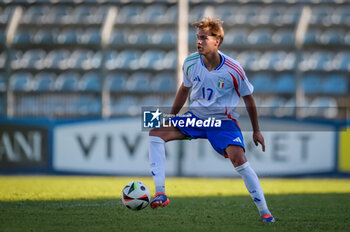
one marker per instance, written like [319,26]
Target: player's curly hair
[213,25]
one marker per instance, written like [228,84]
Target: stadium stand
[57,57]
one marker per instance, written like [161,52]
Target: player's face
[206,42]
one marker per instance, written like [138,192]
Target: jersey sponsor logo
[238,140]
[196,79]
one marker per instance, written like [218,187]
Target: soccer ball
[136,195]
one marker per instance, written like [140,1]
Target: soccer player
[215,82]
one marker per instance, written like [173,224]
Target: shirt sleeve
[244,86]
[186,78]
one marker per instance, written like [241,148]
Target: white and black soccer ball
[136,195]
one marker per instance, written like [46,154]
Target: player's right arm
[180,99]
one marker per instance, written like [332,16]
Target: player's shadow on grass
[293,212]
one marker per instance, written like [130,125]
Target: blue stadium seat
[139,82]
[236,36]
[130,13]
[69,36]
[35,14]
[262,83]
[312,36]
[63,14]
[332,36]
[111,61]
[129,59]
[291,15]
[6,13]
[164,37]
[2,83]
[170,60]
[125,105]
[90,81]
[116,81]
[3,58]
[284,37]
[226,13]
[344,61]
[164,82]
[285,84]
[44,81]
[45,36]
[260,37]
[336,84]
[321,60]
[171,15]
[150,101]
[152,59]
[118,37]
[154,13]
[34,59]
[249,60]
[85,59]
[272,60]
[21,81]
[23,37]
[270,15]
[58,59]
[2,36]
[139,36]
[196,13]
[312,83]
[67,81]
[91,36]
[88,105]
[324,107]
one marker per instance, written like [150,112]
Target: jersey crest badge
[221,83]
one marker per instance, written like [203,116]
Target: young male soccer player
[216,82]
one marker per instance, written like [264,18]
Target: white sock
[252,183]
[157,162]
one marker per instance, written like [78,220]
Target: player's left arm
[253,115]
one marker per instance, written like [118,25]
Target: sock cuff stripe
[156,139]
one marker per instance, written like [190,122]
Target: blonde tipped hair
[213,25]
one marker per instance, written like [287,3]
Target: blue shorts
[220,138]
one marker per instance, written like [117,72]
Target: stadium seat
[116,81]
[35,14]
[164,82]
[125,105]
[149,101]
[3,57]
[321,60]
[324,107]
[119,37]
[226,13]
[163,37]
[58,59]
[171,15]
[23,37]
[291,15]
[67,81]
[154,13]
[283,37]
[91,36]
[2,83]
[128,59]
[130,14]
[2,36]
[270,15]
[111,60]
[86,14]
[249,60]
[312,83]
[88,105]
[63,14]
[85,59]
[68,36]
[90,81]
[45,36]
[332,36]
[6,13]
[262,82]
[336,84]
[170,60]
[152,59]
[271,60]
[139,82]
[285,84]
[139,36]
[21,81]
[236,37]
[44,81]
[312,36]
[34,58]
[260,37]
[344,61]
[196,13]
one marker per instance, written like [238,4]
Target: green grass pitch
[49,203]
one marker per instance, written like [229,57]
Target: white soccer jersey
[215,93]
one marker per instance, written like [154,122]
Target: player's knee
[158,133]
[236,155]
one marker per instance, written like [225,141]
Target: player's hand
[259,138]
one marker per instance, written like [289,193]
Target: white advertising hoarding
[106,147]
[121,147]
